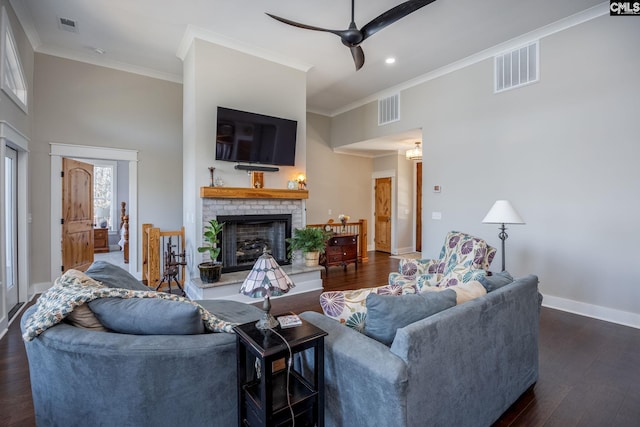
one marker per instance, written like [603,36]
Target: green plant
[211,241]
[309,239]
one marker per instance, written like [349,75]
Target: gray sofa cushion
[148,316]
[113,276]
[387,313]
[496,280]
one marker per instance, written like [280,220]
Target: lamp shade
[502,212]
[266,279]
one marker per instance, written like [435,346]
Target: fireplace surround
[245,237]
[219,202]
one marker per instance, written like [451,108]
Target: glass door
[11,226]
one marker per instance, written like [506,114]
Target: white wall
[338,183]
[563,150]
[81,104]
[219,76]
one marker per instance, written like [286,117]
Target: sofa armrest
[484,347]
[361,377]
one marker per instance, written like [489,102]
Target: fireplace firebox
[245,237]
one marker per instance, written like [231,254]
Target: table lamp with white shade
[502,212]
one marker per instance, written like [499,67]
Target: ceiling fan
[352,37]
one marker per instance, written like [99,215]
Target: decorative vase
[210,273]
[311,259]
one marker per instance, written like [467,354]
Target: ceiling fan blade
[358,56]
[304,26]
[391,16]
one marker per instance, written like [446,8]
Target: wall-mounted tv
[247,137]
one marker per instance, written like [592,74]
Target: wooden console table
[341,249]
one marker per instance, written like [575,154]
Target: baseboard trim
[38,288]
[607,314]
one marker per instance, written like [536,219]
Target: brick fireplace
[252,203]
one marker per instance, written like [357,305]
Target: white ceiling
[144,36]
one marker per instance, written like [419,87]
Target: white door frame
[390,173]
[58,151]
[10,136]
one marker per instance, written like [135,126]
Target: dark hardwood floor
[589,369]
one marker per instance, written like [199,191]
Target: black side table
[262,390]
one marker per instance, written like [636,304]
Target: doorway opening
[58,151]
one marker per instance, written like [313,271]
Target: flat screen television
[247,137]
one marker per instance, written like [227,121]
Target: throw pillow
[496,280]
[460,274]
[83,317]
[349,307]
[385,315]
[113,276]
[148,316]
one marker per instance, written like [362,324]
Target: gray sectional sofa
[80,377]
[463,366]
[159,369]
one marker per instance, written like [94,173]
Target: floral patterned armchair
[463,258]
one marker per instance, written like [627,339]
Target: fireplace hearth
[246,237]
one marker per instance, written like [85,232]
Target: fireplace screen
[245,237]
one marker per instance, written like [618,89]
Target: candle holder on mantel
[211,169]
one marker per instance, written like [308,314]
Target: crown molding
[542,32]
[193,32]
[105,62]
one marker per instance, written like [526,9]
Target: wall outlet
[330,212]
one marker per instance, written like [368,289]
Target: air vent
[389,109]
[517,67]
[68,25]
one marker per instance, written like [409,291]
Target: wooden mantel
[251,193]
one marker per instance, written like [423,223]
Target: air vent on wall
[68,25]
[517,67]
[389,109]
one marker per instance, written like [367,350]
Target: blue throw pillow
[113,276]
[387,313]
[148,316]
[496,280]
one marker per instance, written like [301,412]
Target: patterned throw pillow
[349,307]
[461,275]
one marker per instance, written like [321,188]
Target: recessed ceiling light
[390,60]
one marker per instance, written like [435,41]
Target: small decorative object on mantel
[211,169]
[257,179]
[344,219]
[302,182]
[291,185]
[219,181]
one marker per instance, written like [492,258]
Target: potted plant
[210,271]
[309,240]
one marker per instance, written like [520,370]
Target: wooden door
[382,214]
[77,215]
[419,207]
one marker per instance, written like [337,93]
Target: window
[13,81]
[104,195]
